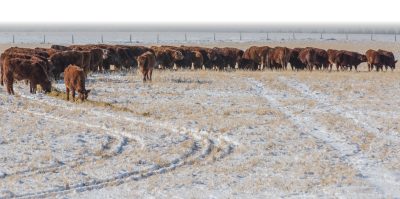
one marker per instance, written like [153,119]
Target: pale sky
[199,11]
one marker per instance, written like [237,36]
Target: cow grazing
[331,58]
[256,55]
[349,59]
[294,60]
[308,57]
[388,59]
[322,59]
[167,57]
[227,57]
[374,58]
[146,62]
[278,58]
[74,80]
[25,69]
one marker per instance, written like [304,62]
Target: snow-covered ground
[206,134]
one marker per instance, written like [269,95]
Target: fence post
[395,36]
[185,36]
[321,36]
[267,36]
[130,38]
[13,39]
[44,39]
[240,36]
[214,36]
[72,39]
[371,37]
[102,41]
[158,37]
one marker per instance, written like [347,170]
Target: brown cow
[227,57]
[42,61]
[208,55]
[278,58]
[349,59]
[331,57]
[294,60]
[374,58]
[146,62]
[308,56]
[25,69]
[388,59]
[256,55]
[167,57]
[322,59]
[63,59]
[74,80]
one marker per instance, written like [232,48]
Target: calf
[74,80]
[146,62]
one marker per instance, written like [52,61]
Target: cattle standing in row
[74,80]
[146,62]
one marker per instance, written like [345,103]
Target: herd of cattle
[41,65]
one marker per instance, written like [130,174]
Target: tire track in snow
[386,183]
[117,149]
[220,146]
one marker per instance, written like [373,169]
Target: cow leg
[150,74]
[73,95]
[1,76]
[31,86]
[67,91]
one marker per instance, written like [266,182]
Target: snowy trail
[384,181]
[324,104]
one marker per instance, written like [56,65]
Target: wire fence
[179,37]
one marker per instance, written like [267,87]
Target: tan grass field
[208,134]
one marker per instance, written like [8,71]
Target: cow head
[393,65]
[105,53]
[177,55]
[212,55]
[141,60]
[46,86]
[83,94]
[363,58]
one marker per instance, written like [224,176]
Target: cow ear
[395,61]
[87,91]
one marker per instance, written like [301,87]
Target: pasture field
[208,134]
